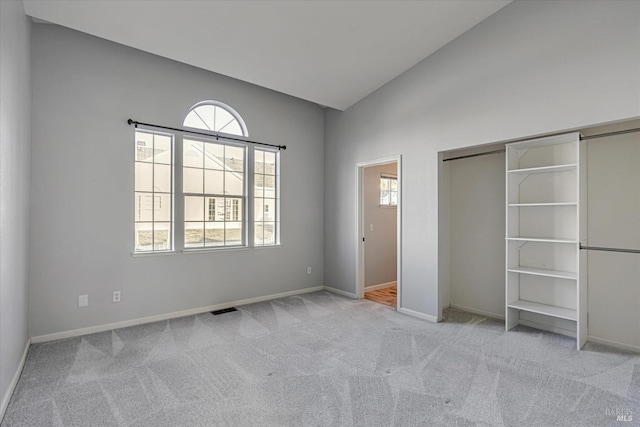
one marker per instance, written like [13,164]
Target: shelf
[541,239]
[545,169]
[542,272]
[519,205]
[548,310]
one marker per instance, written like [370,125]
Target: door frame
[360,225]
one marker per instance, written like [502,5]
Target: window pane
[214,234]
[162,207]
[269,209]
[144,176]
[269,163]
[258,209]
[192,180]
[234,158]
[213,182]
[144,147]
[193,208]
[143,236]
[234,183]
[233,128]
[161,236]
[162,178]
[194,121]
[394,184]
[223,117]
[141,207]
[214,156]
[394,198]
[193,234]
[162,149]
[269,186]
[259,161]
[259,186]
[192,153]
[233,233]
[384,184]
[258,237]
[269,233]
[384,197]
[206,114]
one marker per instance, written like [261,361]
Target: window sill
[191,251]
[152,254]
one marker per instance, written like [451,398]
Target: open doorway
[379,224]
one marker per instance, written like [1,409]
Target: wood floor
[387,296]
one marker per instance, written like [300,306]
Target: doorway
[378,220]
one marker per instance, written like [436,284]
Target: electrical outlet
[308,270]
[116,296]
[370,227]
[83,300]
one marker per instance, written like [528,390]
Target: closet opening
[378,219]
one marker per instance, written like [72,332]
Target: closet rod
[582,138]
[603,135]
[597,248]
[213,135]
[474,155]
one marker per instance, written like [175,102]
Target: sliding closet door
[614,222]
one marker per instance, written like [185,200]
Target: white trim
[340,292]
[359,217]
[380,286]
[616,344]
[417,314]
[166,316]
[7,397]
[476,311]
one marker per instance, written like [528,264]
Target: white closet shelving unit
[545,223]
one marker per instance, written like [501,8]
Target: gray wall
[84,90]
[15,184]
[530,69]
[381,246]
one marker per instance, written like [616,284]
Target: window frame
[154,194]
[178,196]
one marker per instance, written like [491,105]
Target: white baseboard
[615,344]
[380,286]
[476,311]
[7,396]
[160,317]
[340,292]
[417,314]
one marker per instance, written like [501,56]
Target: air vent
[224,310]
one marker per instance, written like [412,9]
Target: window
[153,219]
[228,192]
[213,176]
[266,198]
[216,117]
[388,190]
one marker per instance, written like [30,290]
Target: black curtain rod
[211,135]
[582,138]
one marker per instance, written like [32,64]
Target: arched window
[215,116]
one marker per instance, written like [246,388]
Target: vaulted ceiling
[333,53]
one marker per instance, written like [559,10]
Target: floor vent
[224,310]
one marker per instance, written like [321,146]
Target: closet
[545,224]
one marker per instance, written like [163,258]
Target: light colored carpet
[320,359]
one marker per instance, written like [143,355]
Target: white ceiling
[333,53]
